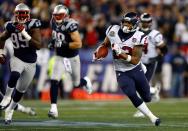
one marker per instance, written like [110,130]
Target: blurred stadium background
[170,17]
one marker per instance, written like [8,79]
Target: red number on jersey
[145,49]
[126,49]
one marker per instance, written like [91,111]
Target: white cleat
[53,114]
[30,111]
[88,86]
[5,102]
[156,96]
[138,114]
[8,116]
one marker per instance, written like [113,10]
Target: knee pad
[13,79]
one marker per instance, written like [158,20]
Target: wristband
[128,58]
[26,35]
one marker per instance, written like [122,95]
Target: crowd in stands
[170,17]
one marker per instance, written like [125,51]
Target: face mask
[125,29]
[145,29]
[58,21]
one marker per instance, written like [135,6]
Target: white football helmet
[60,13]
[22,13]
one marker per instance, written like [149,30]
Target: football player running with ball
[26,38]
[67,42]
[125,42]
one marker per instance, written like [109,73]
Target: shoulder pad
[8,26]
[34,23]
[71,25]
[115,28]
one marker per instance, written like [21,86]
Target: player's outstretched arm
[3,37]
[76,40]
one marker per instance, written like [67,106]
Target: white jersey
[151,40]
[116,35]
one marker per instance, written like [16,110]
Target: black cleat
[157,122]
[8,122]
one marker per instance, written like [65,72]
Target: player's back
[22,49]
[126,41]
[61,34]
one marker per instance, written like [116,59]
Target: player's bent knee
[147,99]
[13,79]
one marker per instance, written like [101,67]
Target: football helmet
[22,13]
[146,21]
[129,22]
[60,13]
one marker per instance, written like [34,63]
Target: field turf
[101,116]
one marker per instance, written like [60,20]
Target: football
[101,52]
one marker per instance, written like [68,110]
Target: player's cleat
[30,111]
[53,114]
[138,114]
[88,86]
[157,122]
[156,96]
[8,122]
[8,116]
[5,103]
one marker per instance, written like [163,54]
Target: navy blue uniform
[22,49]
[61,35]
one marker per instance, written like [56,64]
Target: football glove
[117,49]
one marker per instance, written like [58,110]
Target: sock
[145,110]
[54,91]
[9,91]
[12,105]
[53,107]
[152,90]
[19,107]
[17,96]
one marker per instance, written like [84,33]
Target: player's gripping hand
[21,29]
[51,45]
[95,58]
[117,49]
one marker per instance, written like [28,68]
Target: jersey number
[19,41]
[58,35]
[145,49]
[126,49]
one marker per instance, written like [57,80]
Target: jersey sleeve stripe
[71,22]
[31,23]
[109,28]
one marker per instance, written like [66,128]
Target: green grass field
[101,116]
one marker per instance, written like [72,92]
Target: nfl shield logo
[134,40]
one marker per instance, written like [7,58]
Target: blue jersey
[61,34]
[22,49]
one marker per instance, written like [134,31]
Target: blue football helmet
[129,22]
[146,21]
